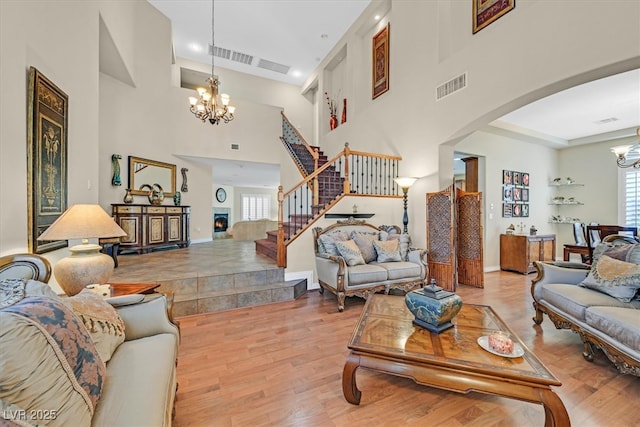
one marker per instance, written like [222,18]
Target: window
[255,206]
[631,196]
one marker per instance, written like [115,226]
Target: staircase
[324,182]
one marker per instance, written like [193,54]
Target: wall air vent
[273,66]
[453,85]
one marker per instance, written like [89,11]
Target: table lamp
[86,265]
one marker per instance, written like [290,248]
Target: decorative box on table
[433,307]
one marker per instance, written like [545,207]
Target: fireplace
[220,222]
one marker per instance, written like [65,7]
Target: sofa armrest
[419,256]
[552,273]
[331,270]
[148,317]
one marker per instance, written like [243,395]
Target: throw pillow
[365,240]
[388,251]
[350,252]
[49,362]
[101,320]
[327,242]
[613,277]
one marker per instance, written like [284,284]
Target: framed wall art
[47,118]
[487,11]
[515,194]
[380,65]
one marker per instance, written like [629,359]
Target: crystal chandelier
[209,105]
[622,151]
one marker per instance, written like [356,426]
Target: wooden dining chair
[595,234]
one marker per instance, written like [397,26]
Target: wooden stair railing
[350,172]
[292,138]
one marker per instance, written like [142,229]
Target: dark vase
[344,111]
[333,122]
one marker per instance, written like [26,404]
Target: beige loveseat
[600,303]
[77,361]
[354,258]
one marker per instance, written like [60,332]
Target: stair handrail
[312,150]
[312,182]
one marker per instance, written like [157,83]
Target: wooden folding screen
[454,238]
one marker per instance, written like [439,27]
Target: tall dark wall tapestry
[46,158]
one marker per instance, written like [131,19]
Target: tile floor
[211,276]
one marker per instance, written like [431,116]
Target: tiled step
[223,292]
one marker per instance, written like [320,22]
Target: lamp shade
[405,181]
[83,222]
[86,265]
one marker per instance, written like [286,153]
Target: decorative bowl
[433,307]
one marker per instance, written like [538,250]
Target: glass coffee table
[386,340]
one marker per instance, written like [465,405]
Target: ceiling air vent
[453,85]
[220,52]
[243,58]
[273,66]
[605,121]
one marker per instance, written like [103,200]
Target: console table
[519,251]
[152,226]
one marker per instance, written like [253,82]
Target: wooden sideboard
[519,251]
[152,226]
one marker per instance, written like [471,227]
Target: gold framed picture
[487,11]
[380,59]
[46,159]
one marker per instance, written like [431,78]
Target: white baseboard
[205,240]
[491,268]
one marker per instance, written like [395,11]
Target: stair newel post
[281,249]
[346,184]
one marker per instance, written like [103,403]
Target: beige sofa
[344,274]
[602,308]
[74,361]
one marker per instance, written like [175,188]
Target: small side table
[118,289]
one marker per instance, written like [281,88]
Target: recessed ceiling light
[195,47]
[296,73]
[377,17]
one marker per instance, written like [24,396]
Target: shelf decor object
[86,265]
[487,11]
[433,307]
[209,105]
[46,159]
[380,72]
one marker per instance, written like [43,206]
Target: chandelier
[623,150]
[209,105]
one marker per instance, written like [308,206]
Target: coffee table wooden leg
[555,413]
[349,387]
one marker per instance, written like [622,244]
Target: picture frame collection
[515,194]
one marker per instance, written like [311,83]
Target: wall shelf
[348,215]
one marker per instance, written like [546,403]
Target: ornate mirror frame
[145,171]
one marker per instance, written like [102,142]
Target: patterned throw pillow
[327,242]
[365,240]
[388,251]
[350,252]
[102,321]
[615,271]
[48,359]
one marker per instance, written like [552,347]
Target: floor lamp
[405,183]
[86,265]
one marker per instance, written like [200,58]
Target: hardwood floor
[281,365]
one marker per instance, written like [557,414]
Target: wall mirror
[145,171]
